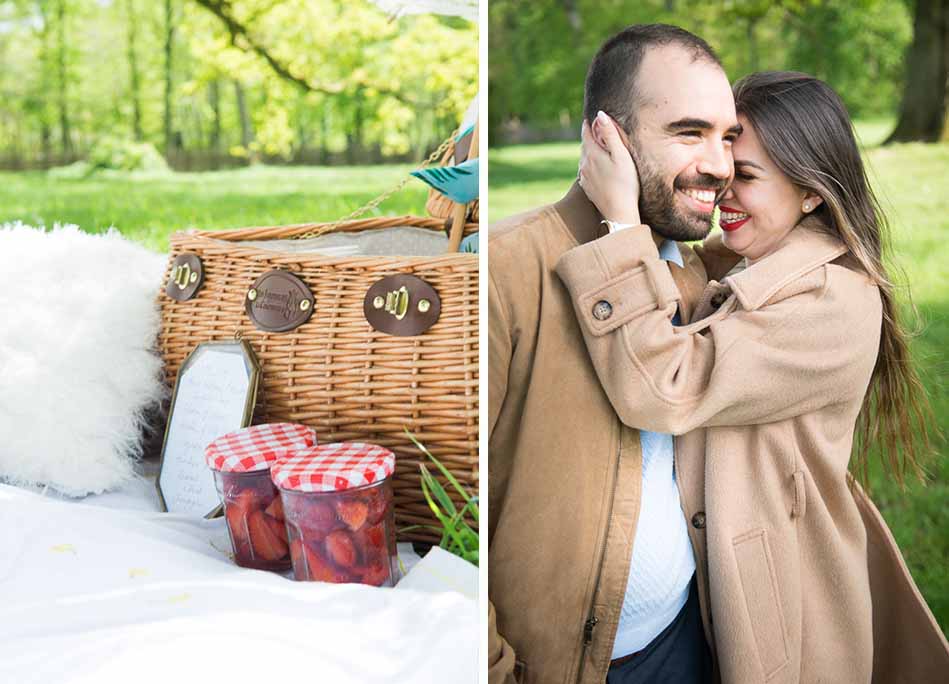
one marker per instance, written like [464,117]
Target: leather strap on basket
[372,204]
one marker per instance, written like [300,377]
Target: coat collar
[807,247]
[580,215]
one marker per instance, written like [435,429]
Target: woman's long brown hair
[804,127]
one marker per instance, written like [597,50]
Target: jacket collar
[807,247]
[580,215]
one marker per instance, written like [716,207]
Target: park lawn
[149,207]
[912,182]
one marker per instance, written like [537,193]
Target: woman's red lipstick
[735,225]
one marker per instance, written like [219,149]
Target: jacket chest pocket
[760,588]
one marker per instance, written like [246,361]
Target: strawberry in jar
[337,500]
[253,509]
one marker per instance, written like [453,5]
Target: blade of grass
[446,503]
[447,473]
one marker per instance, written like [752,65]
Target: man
[571,488]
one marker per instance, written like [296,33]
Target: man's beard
[657,205]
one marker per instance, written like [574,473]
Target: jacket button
[602,310]
[698,520]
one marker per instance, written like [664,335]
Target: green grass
[912,182]
[148,208]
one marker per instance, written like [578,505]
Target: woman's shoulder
[850,285]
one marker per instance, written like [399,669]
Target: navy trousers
[679,655]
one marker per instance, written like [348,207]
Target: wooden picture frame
[215,393]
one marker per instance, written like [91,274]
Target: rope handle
[372,204]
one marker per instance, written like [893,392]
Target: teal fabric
[457,183]
[469,244]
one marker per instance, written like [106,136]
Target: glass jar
[253,509]
[337,499]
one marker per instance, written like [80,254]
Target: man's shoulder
[521,227]
[536,236]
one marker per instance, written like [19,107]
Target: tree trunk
[46,130]
[214,99]
[573,16]
[354,137]
[923,109]
[64,127]
[324,136]
[135,81]
[247,131]
[169,75]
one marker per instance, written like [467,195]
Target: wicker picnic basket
[336,372]
[440,206]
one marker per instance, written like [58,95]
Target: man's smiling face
[684,124]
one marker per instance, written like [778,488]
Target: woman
[797,345]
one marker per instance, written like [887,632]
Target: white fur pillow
[78,365]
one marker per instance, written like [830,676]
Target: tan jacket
[806,582]
[564,473]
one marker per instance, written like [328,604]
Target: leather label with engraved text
[278,301]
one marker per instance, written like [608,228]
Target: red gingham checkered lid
[333,467]
[257,447]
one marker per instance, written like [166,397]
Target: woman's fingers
[609,135]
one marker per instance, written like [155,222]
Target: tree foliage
[539,51]
[306,80]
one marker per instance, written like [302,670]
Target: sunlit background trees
[886,58]
[216,83]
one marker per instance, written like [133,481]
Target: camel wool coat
[565,475]
[765,384]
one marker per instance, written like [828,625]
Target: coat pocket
[760,588]
[800,495]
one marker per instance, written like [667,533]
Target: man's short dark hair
[611,79]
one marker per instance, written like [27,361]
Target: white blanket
[91,593]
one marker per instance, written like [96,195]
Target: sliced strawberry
[267,544]
[377,536]
[320,570]
[246,500]
[376,574]
[353,512]
[378,501]
[340,547]
[297,552]
[278,528]
[275,509]
[371,543]
[237,524]
[319,514]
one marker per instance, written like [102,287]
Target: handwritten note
[210,401]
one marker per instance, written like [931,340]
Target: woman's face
[763,205]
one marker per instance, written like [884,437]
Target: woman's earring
[807,207]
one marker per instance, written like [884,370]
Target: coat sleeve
[501,659]
[500,654]
[739,367]
[500,348]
